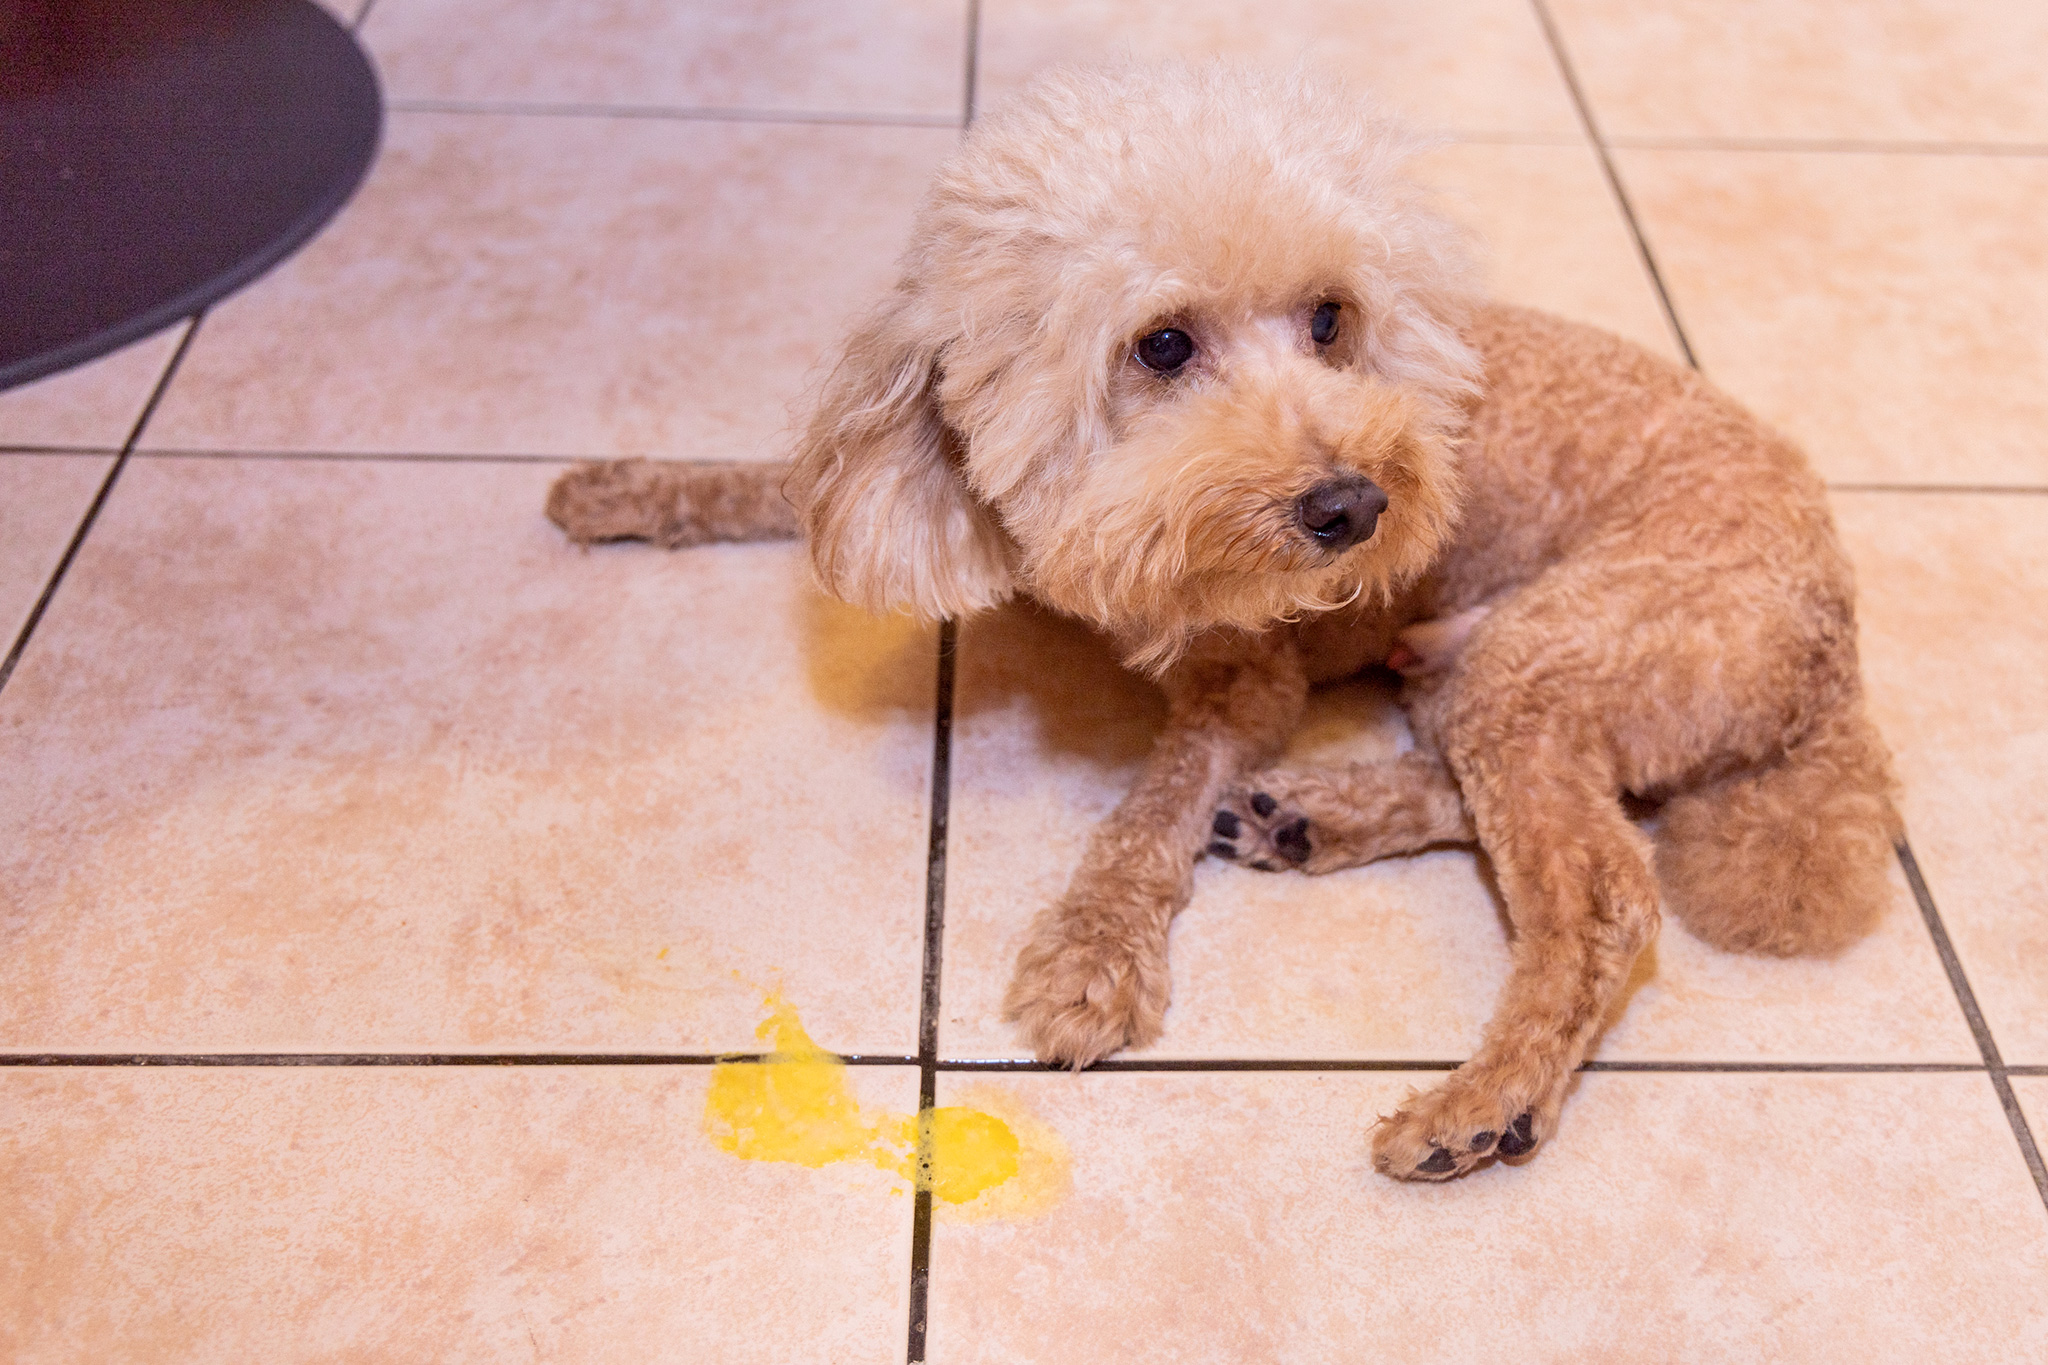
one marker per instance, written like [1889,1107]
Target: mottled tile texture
[361,757]
[850,57]
[1227,1218]
[524,284]
[445,1214]
[1468,65]
[92,407]
[42,500]
[327,744]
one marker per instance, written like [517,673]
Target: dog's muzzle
[1341,512]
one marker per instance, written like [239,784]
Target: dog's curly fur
[1600,577]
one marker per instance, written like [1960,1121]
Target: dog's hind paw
[1450,1130]
[1087,986]
[1257,829]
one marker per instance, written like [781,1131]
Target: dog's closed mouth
[1341,512]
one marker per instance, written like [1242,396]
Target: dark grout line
[935,863]
[1493,137]
[928,986]
[1113,1065]
[2025,490]
[973,73]
[101,451]
[399,457]
[935,887]
[1994,1065]
[675,113]
[1831,146]
[1789,1068]
[384,1059]
[1001,1066]
[99,500]
[362,15]
[1254,1064]
[1628,209]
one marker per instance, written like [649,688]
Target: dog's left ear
[886,508]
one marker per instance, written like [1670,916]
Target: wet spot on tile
[794,1105]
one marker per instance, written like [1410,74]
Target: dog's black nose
[1341,512]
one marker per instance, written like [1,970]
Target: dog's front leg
[1093,978]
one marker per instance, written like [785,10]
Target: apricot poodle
[1181,352]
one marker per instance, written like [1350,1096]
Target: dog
[1182,352]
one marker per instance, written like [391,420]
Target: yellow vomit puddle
[794,1105]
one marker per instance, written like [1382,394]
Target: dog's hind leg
[672,504]
[1788,857]
[1092,975]
[1583,901]
[1323,819]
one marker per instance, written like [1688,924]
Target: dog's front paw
[1085,988]
[1464,1121]
[1255,827]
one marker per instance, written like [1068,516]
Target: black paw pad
[1263,805]
[1520,1136]
[1219,849]
[1292,840]
[1227,824]
[1483,1140]
[1438,1162]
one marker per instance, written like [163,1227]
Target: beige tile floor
[323,746]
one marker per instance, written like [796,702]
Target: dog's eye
[1165,350]
[1323,326]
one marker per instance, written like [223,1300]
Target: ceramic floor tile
[1899,70]
[825,56]
[1890,312]
[1550,234]
[572,286]
[1702,1218]
[344,11]
[42,499]
[1957,663]
[444,1214]
[2033,1097]
[342,756]
[1476,65]
[1402,959]
[93,405]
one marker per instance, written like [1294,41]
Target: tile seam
[1825,146]
[965,1066]
[375,1060]
[1973,1015]
[397,456]
[929,977]
[972,74]
[678,113]
[99,501]
[1648,257]
[2017,489]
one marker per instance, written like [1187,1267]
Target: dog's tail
[673,504]
[1792,857]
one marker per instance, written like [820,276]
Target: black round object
[158,154]
[1323,326]
[1165,351]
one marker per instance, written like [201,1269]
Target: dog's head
[1174,349]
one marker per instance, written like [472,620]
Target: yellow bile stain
[794,1105]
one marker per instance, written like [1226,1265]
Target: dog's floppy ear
[886,509]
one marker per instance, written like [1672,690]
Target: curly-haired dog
[1180,352]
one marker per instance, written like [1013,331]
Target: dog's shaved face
[1192,348]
